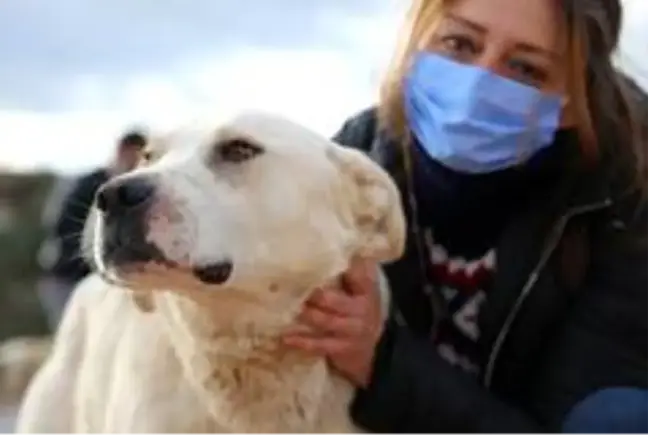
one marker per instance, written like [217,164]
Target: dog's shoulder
[69,343]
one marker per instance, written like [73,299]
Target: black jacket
[62,245]
[567,315]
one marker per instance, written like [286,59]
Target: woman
[520,303]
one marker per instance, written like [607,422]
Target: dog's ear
[374,203]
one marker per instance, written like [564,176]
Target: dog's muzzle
[124,204]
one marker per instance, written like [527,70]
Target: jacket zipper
[556,234]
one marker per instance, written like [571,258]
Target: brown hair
[605,119]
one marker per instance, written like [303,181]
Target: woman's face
[519,39]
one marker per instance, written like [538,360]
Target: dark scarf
[467,212]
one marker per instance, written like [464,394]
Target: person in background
[64,216]
[521,302]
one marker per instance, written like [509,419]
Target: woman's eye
[526,72]
[238,150]
[458,46]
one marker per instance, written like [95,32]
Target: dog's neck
[232,354]
[231,325]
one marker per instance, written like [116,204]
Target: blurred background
[75,75]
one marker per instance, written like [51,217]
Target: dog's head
[254,203]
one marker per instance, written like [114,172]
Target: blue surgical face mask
[474,121]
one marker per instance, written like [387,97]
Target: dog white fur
[178,355]
[20,359]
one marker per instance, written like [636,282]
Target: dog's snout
[122,195]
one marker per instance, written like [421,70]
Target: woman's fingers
[335,301]
[318,345]
[330,323]
[338,321]
[358,282]
[361,277]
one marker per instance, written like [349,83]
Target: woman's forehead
[534,23]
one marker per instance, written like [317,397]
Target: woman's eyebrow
[521,46]
[465,22]
[534,49]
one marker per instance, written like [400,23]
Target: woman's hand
[344,324]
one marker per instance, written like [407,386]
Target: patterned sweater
[462,217]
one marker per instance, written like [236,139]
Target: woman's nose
[490,58]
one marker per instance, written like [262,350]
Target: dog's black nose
[123,194]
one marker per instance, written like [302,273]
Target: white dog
[221,236]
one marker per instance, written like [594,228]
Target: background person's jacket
[567,314]
[60,255]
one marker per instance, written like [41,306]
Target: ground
[7,419]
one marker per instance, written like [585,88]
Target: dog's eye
[146,156]
[238,150]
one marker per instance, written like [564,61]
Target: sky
[76,73]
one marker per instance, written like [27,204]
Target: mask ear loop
[422,239]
